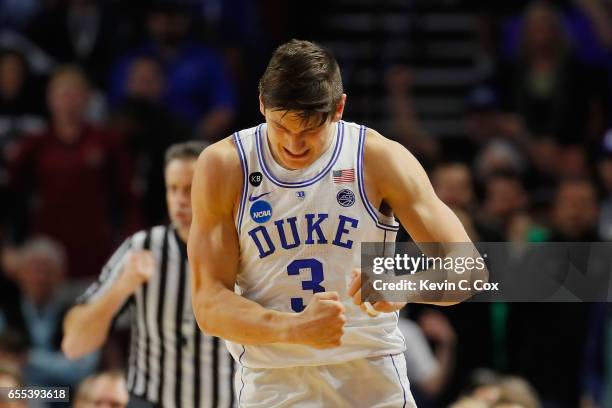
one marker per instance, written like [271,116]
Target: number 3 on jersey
[314,284]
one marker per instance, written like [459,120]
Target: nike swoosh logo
[255,198]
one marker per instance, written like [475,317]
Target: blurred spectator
[490,390]
[597,376]
[78,178]
[534,329]
[21,106]
[81,32]
[149,129]
[14,344]
[516,391]
[604,167]
[20,112]
[406,126]
[428,371]
[556,94]
[39,313]
[8,267]
[575,212]
[198,88]
[499,156]
[544,154]
[11,378]
[453,185]
[485,123]
[481,121]
[106,389]
[587,22]
[505,196]
[15,14]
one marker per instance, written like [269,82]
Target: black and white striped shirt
[171,362]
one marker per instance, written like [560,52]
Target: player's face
[178,175]
[296,143]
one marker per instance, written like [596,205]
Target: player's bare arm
[213,249]
[403,185]
[86,326]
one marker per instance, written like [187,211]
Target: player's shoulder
[387,162]
[378,147]
[221,158]
[219,175]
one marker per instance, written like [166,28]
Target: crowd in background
[93,92]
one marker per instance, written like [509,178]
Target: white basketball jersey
[300,233]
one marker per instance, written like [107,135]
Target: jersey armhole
[245,175]
[384,222]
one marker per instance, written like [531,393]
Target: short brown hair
[184,151]
[72,74]
[302,77]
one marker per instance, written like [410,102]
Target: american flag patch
[343,176]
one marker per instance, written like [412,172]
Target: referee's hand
[138,269]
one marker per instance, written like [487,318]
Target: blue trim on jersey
[400,380]
[245,181]
[241,374]
[362,192]
[305,183]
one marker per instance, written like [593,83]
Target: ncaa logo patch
[261,211]
[345,197]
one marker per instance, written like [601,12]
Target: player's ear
[262,108]
[339,109]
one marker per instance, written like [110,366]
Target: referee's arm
[87,324]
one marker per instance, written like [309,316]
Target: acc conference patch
[261,211]
[345,197]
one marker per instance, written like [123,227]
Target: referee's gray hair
[46,247]
[185,150]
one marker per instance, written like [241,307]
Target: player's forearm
[86,326]
[234,318]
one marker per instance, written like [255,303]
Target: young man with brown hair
[280,211]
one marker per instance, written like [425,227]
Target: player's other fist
[321,323]
[137,269]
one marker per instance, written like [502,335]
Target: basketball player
[280,211]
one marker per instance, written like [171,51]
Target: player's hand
[321,323]
[137,269]
[373,310]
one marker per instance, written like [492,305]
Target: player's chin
[297,161]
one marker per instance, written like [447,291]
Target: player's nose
[295,144]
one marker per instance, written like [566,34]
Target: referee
[171,362]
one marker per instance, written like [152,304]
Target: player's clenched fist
[321,323]
[137,269]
